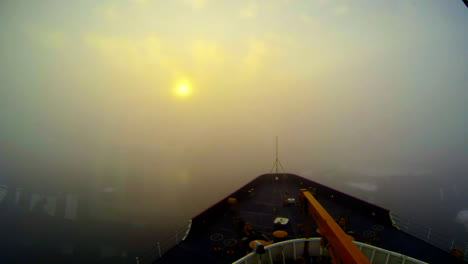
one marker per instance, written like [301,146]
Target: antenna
[277,163]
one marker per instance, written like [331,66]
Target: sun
[183,89]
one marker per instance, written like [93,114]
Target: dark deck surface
[262,200]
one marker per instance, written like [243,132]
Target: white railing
[428,234]
[287,250]
[164,245]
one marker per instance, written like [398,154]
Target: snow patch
[462,217]
[389,172]
[109,189]
[365,186]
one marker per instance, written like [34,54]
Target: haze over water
[187,96]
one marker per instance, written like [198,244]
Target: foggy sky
[357,87]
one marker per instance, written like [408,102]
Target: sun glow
[183,89]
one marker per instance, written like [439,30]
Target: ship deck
[216,235]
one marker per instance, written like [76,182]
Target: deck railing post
[294,250]
[159,250]
[388,258]
[373,255]
[404,260]
[282,253]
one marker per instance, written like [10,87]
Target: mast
[276,155]
[277,164]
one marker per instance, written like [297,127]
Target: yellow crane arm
[341,247]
